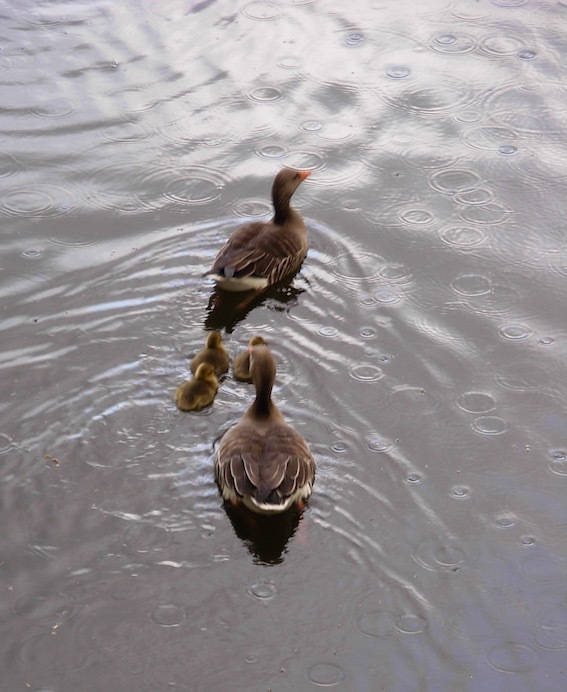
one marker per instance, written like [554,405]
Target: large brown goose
[262,461]
[260,254]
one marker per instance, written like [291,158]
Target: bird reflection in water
[225,309]
[266,537]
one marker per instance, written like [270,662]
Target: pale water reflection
[420,348]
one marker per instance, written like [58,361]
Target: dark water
[421,348]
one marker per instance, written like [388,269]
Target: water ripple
[261,11]
[247,208]
[128,131]
[157,187]
[514,332]
[378,624]
[452,43]
[290,62]
[325,174]
[462,237]
[272,151]
[336,131]
[489,425]
[45,609]
[366,372]
[409,400]
[476,402]
[453,180]
[523,376]
[471,285]
[69,236]
[54,108]
[398,71]
[499,45]
[551,632]
[42,201]
[354,39]
[411,623]
[265,94]
[192,187]
[181,136]
[558,462]
[416,216]
[522,110]
[140,537]
[489,214]
[53,656]
[478,196]
[426,156]
[358,271]
[492,138]
[510,3]
[263,591]
[169,615]
[460,492]
[9,166]
[439,98]
[396,273]
[511,657]
[443,554]
[311,126]
[326,674]
[135,100]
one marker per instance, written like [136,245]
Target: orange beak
[304,174]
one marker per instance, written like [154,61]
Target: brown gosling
[241,364]
[199,392]
[214,353]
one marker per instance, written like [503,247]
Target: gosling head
[206,373]
[214,339]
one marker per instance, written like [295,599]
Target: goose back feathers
[262,461]
[260,254]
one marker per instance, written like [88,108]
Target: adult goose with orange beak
[260,254]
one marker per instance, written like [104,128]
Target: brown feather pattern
[269,254]
[271,250]
[214,353]
[262,460]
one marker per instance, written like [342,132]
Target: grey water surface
[421,348]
